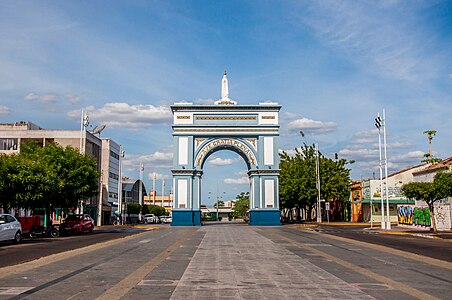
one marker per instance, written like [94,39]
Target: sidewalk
[395,229]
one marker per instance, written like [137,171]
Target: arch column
[264,200]
[187,197]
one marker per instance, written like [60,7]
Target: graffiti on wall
[416,216]
[420,216]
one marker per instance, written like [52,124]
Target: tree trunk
[432,216]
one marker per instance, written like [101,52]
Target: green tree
[220,203]
[241,205]
[428,157]
[133,208]
[298,179]
[46,177]
[430,192]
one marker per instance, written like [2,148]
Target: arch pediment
[216,144]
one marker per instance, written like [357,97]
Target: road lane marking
[377,277]
[120,289]
[23,267]
[425,259]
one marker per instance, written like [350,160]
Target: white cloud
[4,110]
[209,101]
[365,31]
[128,116]
[409,157]
[359,154]
[45,98]
[73,98]
[312,126]
[221,161]
[241,180]
[158,176]
[158,159]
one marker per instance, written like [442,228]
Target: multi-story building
[165,201]
[12,136]
[110,174]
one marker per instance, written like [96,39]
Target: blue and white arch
[249,130]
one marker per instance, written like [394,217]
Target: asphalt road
[230,261]
[31,249]
[430,247]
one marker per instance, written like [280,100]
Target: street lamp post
[154,177]
[140,193]
[388,219]
[84,122]
[317,169]
[120,204]
[379,124]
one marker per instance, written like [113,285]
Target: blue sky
[332,65]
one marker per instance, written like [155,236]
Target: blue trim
[186,218]
[265,218]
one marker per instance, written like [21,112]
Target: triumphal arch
[249,130]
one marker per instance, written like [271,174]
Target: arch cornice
[206,148]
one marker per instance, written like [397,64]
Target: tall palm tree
[430,134]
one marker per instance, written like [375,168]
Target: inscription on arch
[230,142]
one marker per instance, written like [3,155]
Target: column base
[264,217]
[186,218]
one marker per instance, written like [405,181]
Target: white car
[166,219]
[10,228]
[150,218]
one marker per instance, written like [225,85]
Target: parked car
[77,223]
[151,219]
[166,219]
[10,228]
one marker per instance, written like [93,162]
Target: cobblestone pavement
[238,263]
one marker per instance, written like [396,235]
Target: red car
[77,223]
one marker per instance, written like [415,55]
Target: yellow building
[165,201]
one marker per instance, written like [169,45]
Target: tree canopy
[241,205]
[41,177]
[430,192]
[298,178]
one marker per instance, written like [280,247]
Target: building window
[114,176]
[113,195]
[8,144]
[115,155]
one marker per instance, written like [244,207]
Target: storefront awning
[391,201]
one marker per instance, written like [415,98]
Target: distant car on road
[10,228]
[77,223]
[166,219]
[151,219]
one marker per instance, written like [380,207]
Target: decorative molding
[183,117]
[264,172]
[187,172]
[224,130]
[225,107]
[268,117]
[198,142]
[222,142]
[253,143]
[222,118]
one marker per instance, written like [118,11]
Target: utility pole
[140,190]
[163,188]
[379,124]
[317,168]
[120,204]
[388,218]
[154,177]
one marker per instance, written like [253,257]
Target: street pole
[85,123]
[163,188]
[99,205]
[378,124]
[140,190]
[317,168]
[388,218]
[217,200]
[120,204]
[153,188]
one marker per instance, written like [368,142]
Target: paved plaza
[231,261]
